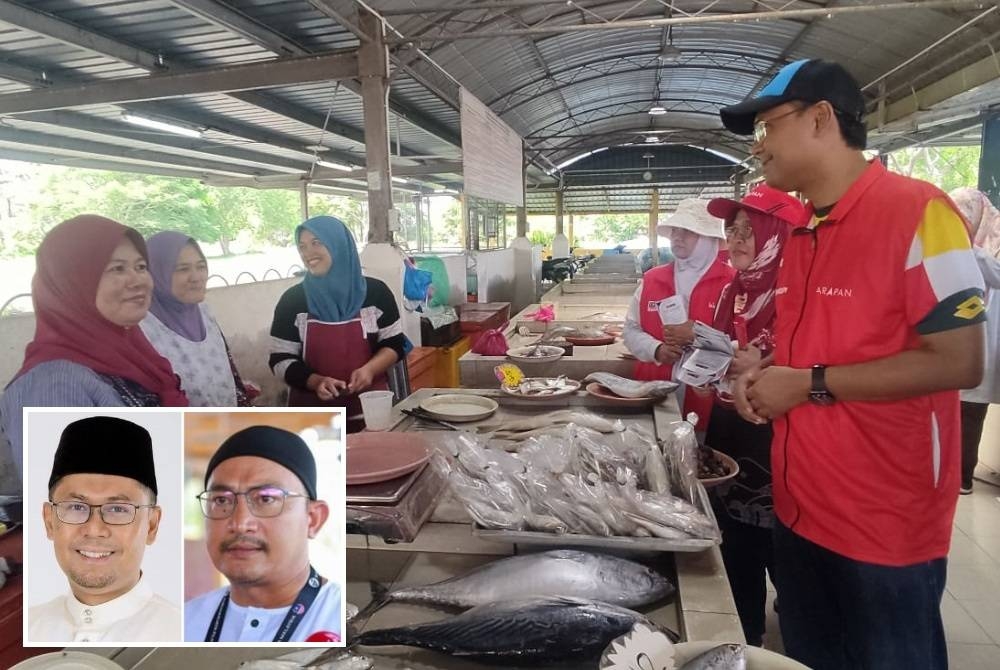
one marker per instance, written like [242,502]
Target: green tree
[147,203]
[610,228]
[541,237]
[946,167]
[353,212]
[448,231]
[279,211]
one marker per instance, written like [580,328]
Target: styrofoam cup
[377,408]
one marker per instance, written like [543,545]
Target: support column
[560,245]
[654,219]
[526,277]
[569,232]
[373,67]
[304,201]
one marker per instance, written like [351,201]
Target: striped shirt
[379,317]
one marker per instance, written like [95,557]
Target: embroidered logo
[970,308]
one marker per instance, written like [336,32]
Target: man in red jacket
[879,322]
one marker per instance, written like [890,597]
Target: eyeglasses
[740,233]
[112,513]
[263,501]
[760,126]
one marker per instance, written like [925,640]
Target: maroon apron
[336,350]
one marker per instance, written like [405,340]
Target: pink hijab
[982,216]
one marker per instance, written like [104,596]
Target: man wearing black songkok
[100,516]
[261,510]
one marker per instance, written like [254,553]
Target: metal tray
[616,542]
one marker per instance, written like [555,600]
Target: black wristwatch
[819,394]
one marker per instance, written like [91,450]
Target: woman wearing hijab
[756,230]
[90,290]
[684,291]
[984,221]
[335,334]
[181,327]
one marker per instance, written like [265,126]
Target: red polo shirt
[873,481]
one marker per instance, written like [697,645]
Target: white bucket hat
[692,214]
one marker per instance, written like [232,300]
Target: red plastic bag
[491,343]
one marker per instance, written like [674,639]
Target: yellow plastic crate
[446,370]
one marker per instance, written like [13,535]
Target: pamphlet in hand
[672,311]
[709,360]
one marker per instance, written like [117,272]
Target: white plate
[67,660]
[549,354]
[459,407]
[758,659]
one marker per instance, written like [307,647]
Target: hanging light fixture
[657,110]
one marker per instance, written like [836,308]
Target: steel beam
[70,33]
[374,65]
[965,79]
[105,128]
[700,19]
[237,22]
[278,72]
[92,163]
[57,143]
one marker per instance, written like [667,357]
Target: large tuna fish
[562,572]
[531,631]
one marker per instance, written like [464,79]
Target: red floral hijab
[68,326]
[748,301]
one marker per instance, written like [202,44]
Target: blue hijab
[339,294]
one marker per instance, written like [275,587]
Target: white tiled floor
[971,604]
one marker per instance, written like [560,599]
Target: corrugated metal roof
[566,93]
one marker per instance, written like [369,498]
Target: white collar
[98,617]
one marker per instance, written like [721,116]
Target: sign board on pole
[492,154]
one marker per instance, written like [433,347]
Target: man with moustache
[100,516]
[261,510]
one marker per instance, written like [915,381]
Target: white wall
[495,275]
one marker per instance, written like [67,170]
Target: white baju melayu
[137,616]
[204,368]
[256,624]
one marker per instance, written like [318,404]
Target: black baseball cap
[810,80]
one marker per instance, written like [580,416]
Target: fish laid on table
[542,386]
[561,572]
[723,657]
[532,631]
[630,388]
[318,659]
[547,420]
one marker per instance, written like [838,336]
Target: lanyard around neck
[292,619]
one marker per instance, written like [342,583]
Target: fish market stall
[448,548]
[589,335]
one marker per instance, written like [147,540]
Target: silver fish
[723,657]
[630,388]
[532,631]
[560,572]
[338,660]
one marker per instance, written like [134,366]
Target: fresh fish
[321,659]
[561,572]
[630,388]
[656,470]
[531,631]
[586,419]
[723,657]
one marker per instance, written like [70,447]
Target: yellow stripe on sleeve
[942,230]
